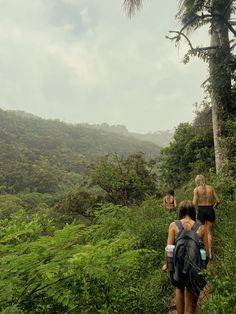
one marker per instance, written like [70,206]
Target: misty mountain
[38,154]
[160,138]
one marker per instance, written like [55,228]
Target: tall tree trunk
[220,81]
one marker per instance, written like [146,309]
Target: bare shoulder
[195,190]
[209,187]
[172,226]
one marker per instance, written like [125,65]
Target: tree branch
[179,34]
[189,42]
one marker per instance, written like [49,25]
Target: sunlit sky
[85,61]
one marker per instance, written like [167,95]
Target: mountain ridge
[39,154]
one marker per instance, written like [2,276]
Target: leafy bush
[110,267]
[125,180]
[222,299]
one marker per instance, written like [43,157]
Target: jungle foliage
[98,246]
[48,156]
[125,180]
[113,266]
[82,228]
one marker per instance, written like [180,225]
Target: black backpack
[187,259]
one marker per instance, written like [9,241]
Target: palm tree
[216,13]
[193,14]
[132,5]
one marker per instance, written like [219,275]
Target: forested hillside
[160,138]
[42,155]
[99,248]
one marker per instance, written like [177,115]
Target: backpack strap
[179,225]
[196,226]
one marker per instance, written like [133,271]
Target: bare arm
[164,203]
[171,234]
[217,199]
[195,196]
[170,240]
[175,202]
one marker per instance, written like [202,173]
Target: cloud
[86,61]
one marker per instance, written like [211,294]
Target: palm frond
[188,12]
[131,6]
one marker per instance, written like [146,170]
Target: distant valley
[41,155]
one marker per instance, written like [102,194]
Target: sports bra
[202,197]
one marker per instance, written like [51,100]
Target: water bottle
[170,251]
[203,257]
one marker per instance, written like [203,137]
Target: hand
[164,267]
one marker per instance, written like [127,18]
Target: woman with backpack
[206,199]
[186,234]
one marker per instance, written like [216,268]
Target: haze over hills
[103,138]
[38,153]
[160,138]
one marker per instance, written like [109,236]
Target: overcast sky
[86,61]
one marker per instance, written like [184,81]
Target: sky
[86,61]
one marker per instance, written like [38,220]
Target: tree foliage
[189,153]
[48,156]
[125,180]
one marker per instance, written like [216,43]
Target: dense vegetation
[48,156]
[97,246]
[82,228]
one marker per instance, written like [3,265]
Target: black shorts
[194,286]
[206,213]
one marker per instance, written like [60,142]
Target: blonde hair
[200,180]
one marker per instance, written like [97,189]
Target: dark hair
[171,192]
[186,208]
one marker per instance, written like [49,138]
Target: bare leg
[179,298]
[209,227]
[190,302]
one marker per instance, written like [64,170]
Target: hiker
[186,263]
[203,197]
[169,201]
